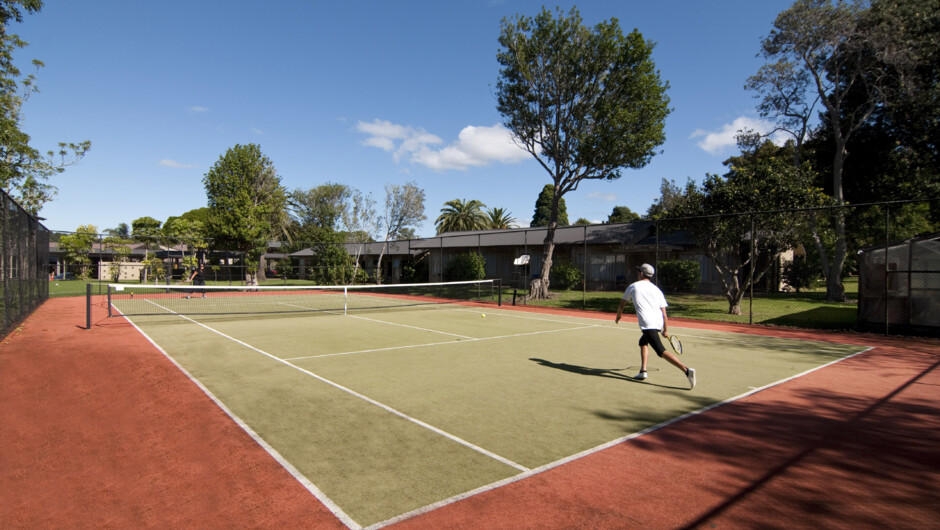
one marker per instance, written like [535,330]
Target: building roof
[638,234]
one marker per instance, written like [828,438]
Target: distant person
[650,304]
[198,278]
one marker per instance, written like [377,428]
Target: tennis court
[392,409]
[428,415]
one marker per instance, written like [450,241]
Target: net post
[87,306]
[345,300]
[499,291]
[109,301]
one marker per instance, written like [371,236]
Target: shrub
[565,276]
[470,266]
[801,273]
[415,271]
[678,276]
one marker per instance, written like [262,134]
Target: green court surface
[389,411]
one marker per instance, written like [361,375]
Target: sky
[364,93]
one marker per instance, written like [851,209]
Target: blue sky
[362,92]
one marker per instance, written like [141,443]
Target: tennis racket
[676,344]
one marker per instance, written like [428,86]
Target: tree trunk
[542,292]
[835,291]
[378,267]
[262,265]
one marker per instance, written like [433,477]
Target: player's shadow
[612,373]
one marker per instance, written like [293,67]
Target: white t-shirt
[649,302]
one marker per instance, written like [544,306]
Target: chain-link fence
[802,267]
[24,257]
[791,268]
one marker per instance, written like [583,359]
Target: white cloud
[475,146]
[166,162]
[397,139]
[197,109]
[716,142]
[606,197]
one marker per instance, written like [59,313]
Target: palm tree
[122,231]
[459,215]
[500,219]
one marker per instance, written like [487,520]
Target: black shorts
[651,337]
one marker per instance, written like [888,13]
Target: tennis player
[650,306]
[198,278]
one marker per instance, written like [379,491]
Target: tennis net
[133,300]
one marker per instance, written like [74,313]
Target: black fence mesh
[24,260]
[816,267]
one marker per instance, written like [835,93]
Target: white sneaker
[691,375]
[641,376]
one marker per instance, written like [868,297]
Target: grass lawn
[807,309]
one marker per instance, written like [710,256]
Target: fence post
[584,269]
[87,306]
[750,272]
[887,246]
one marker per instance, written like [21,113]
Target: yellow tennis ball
[482,315]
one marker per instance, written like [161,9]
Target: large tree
[404,207]
[670,194]
[361,224]
[24,171]
[317,212]
[317,215]
[543,208]
[146,230]
[622,214]
[820,51]
[247,204]
[584,102]
[459,215]
[77,248]
[744,217]
[500,219]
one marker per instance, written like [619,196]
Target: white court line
[350,391]
[411,327]
[379,321]
[294,472]
[469,340]
[523,315]
[582,454]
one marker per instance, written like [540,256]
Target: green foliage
[459,215]
[500,219]
[758,181]
[24,170]
[155,268]
[566,276]
[543,208]
[670,195]
[120,252]
[330,265]
[415,270]
[464,267]
[622,214]
[678,276]
[801,273]
[404,207]
[77,246]
[145,229]
[587,101]
[584,102]
[246,200]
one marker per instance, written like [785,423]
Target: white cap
[647,270]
